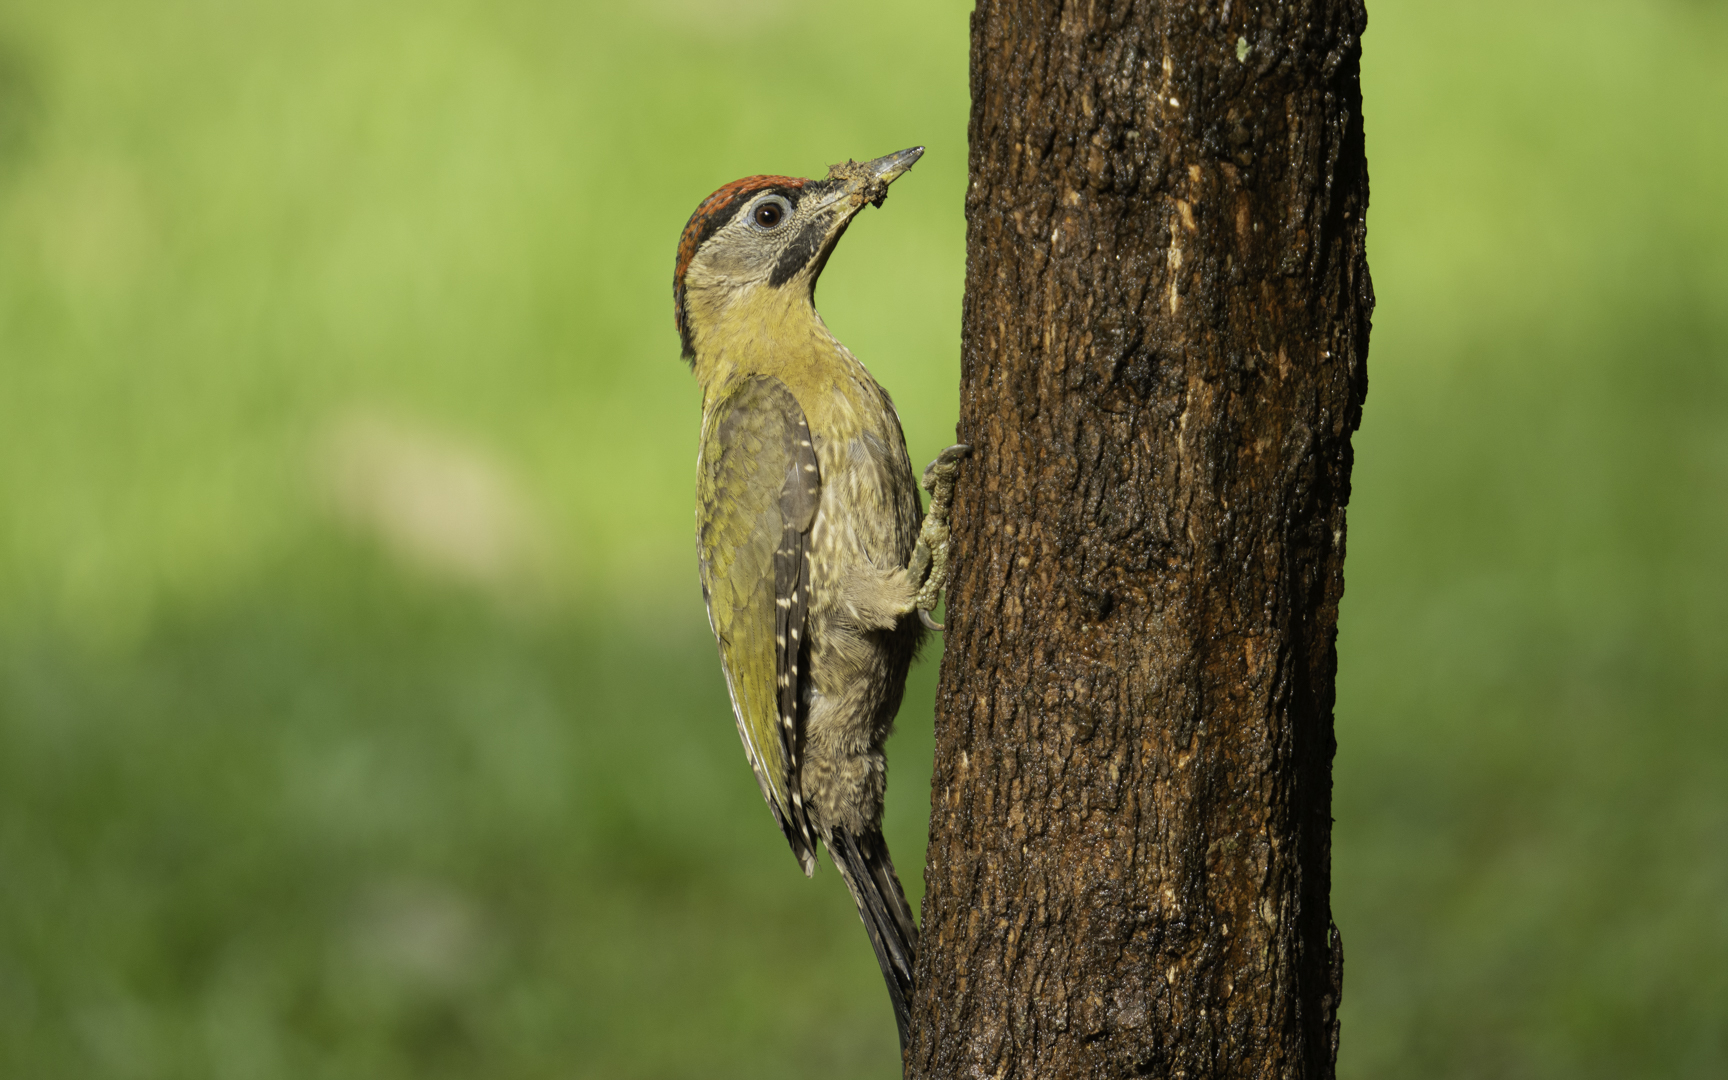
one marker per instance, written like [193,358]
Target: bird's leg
[930,558]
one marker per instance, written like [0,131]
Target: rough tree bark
[1166,326]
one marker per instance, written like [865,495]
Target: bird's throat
[764,330]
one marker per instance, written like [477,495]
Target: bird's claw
[940,474]
[930,557]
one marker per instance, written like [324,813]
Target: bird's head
[766,238]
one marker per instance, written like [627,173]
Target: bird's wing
[757,489]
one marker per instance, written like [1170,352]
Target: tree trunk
[1166,324]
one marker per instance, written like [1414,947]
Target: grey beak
[888,169]
[867,181]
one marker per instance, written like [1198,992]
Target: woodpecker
[818,568]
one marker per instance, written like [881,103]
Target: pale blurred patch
[93,224]
[437,500]
[420,935]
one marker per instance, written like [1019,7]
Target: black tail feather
[869,872]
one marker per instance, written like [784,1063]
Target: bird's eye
[769,214]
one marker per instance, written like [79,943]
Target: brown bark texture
[1166,328]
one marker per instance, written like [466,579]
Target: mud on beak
[867,181]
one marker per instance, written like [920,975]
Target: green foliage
[306,773]
[1532,775]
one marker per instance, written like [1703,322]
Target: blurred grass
[343,826]
[305,771]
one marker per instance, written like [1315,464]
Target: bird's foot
[930,557]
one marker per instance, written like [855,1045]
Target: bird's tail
[869,872]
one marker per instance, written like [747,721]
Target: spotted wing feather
[758,488]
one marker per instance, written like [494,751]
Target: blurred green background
[358,716]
